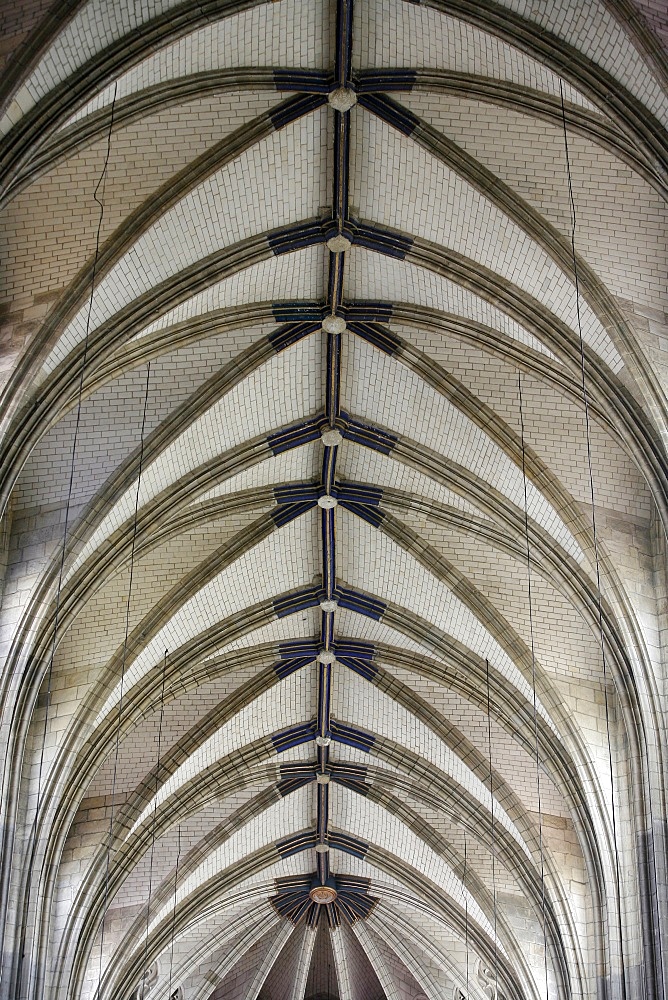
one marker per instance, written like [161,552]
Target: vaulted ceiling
[329,326]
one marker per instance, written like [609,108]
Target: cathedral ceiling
[327,318]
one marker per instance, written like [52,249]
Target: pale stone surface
[482,748]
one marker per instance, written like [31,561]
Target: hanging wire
[99,189]
[155,816]
[493,832]
[533,678]
[98,197]
[173,930]
[119,714]
[599,603]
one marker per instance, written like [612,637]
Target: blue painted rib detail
[328,552]
[390,244]
[379,336]
[369,436]
[293,845]
[296,769]
[351,845]
[369,312]
[296,492]
[293,437]
[371,80]
[307,81]
[289,785]
[364,605]
[356,786]
[359,493]
[344,41]
[290,334]
[351,736]
[285,513]
[355,647]
[298,647]
[327,629]
[295,237]
[392,113]
[296,107]
[298,312]
[283,668]
[296,601]
[294,736]
[370,514]
[329,470]
[365,668]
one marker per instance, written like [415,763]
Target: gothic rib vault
[320,678]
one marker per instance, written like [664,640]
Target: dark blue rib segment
[291,334]
[308,81]
[298,647]
[365,668]
[382,241]
[341,169]
[351,845]
[293,437]
[295,492]
[329,470]
[372,515]
[328,553]
[370,437]
[344,41]
[352,737]
[379,336]
[364,605]
[355,647]
[400,118]
[296,601]
[324,698]
[293,737]
[283,668]
[293,845]
[336,269]
[371,80]
[333,383]
[327,629]
[360,493]
[304,234]
[289,785]
[285,513]
[296,107]
[369,312]
[298,312]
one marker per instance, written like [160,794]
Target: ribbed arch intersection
[333,470]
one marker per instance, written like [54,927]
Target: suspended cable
[493,832]
[98,197]
[119,713]
[173,929]
[533,678]
[585,399]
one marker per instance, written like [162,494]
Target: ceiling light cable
[119,714]
[585,399]
[173,929]
[533,677]
[98,197]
